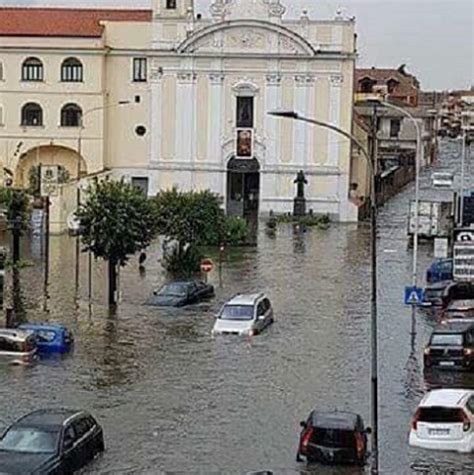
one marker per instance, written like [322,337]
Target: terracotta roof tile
[66,22]
[408,84]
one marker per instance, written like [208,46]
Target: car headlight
[249,332]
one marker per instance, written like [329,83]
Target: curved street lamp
[373,308]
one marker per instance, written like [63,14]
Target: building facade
[168,98]
[213,83]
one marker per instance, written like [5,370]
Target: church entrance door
[243,187]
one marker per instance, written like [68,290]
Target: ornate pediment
[246,36]
[224,10]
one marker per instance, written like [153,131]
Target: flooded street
[172,398]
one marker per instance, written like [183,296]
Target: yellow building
[167,97]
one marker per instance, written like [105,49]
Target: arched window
[32,114]
[32,70]
[71,70]
[71,115]
[391,85]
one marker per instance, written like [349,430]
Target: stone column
[272,103]
[334,118]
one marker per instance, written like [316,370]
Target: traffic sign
[206,266]
[414,296]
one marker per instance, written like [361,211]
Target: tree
[117,220]
[191,219]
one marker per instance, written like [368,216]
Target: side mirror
[368,430]
[303,424]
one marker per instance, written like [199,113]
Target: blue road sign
[414,296]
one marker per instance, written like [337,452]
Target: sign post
[413,296]
[206,266]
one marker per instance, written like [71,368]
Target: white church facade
[213,83]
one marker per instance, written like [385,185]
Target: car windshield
[237,312]
[30,440]
[446,339]
[433,293]
[175,290]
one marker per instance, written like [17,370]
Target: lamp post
[418,159]
[371,160]
[78,192]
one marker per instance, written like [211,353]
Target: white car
[444,420]
[442,180]
[244,315]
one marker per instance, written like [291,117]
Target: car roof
[457,326]
[41,326]
[438,285]
[15,332]
[334,420]
[48,417]
[245,299]
[446,397]
[461,303]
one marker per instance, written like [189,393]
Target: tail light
[359,441]
[414,422]
[427,350]
[466,423]
[468,351]
[305,439]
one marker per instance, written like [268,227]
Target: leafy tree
[117,221]
[191,219]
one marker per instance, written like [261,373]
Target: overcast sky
[435,38]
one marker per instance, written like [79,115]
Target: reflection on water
[172,398]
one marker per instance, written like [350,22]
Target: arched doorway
[243,187]
[69,161]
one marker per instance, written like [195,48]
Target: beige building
[169,98]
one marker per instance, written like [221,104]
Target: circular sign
[207,265]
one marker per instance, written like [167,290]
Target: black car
[451,346]
[333,438]
[50,442]
[179,294]
[433,295]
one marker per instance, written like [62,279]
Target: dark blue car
[440,270]
[50,338]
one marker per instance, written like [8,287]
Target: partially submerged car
[433,294]
[333,438]
[244,315]
[451,346]
[50,338]
[50,441]
[17,346]
[181,293]
[444,420]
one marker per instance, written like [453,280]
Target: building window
[1,116]
[71,70]
[1,71]
[71,115]
[141,183]
[139,69]
[245,112]
[395,125]
[391,85]
[170,4]
[32,115]
[32,70]
[366,85]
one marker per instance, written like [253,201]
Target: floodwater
[173,399]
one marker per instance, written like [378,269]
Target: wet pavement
[173,399]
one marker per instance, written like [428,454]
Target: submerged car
[244,315]
[433,294]
[50,338]
[55,441]
[18,346]
[440,270]
[456,306]
[451,346]
[444,420]
[179,294]
[333,438]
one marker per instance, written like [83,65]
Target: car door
[260,321]
[69,455]
[83,440]
[193,295]
[268,311]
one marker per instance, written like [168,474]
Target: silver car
[244,315]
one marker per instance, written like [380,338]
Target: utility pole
[373,300]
